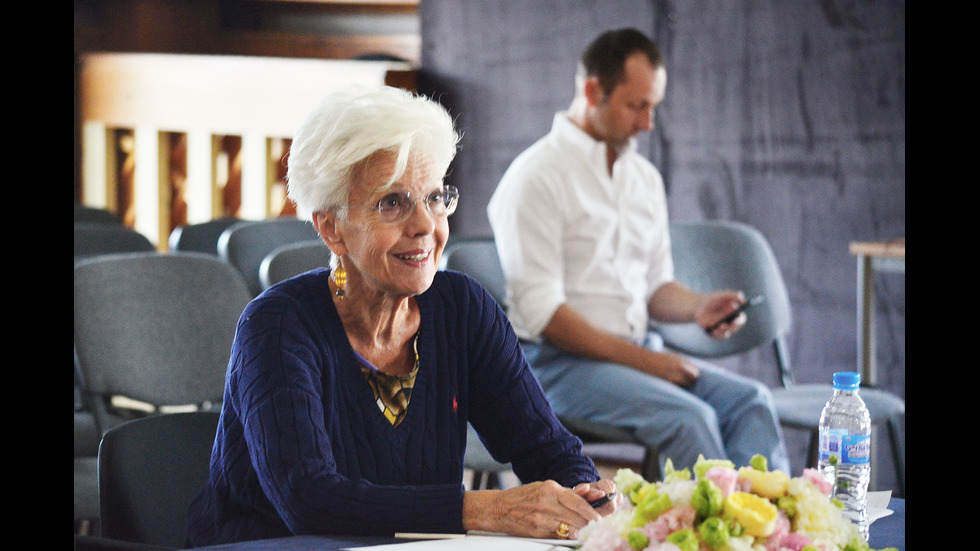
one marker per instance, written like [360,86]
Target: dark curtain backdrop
[786,115]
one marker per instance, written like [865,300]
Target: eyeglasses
[394,207]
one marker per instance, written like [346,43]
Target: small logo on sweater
[455,404]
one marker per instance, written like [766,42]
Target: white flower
[818,518]
[679,491]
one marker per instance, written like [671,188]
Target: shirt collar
[583,142]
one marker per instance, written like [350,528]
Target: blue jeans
[722,415]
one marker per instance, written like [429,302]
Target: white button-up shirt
[569,232]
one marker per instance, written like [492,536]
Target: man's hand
[671,367]
[713,310]
[572,332]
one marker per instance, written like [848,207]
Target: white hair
[348,127]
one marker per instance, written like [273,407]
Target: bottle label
[850,449]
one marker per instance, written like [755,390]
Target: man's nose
[645,122]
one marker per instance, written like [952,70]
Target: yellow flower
[770,484]
[756,514]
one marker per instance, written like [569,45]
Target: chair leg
[813,449]
[651,465]
[898,451]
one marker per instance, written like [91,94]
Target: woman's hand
[537,510]
[596,491]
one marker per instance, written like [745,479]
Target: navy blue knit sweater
[302,448]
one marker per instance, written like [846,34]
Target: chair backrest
[710,256]
[202,237]
[246,244]
[93,239]
[156,328]
[95,215]
[291,260]
[150,470]
[477,257]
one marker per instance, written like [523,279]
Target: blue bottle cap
[847,380]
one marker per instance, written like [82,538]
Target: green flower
[707,498]
[651,503]
[637,539]
[714,532]
[702,465]
[787,505]
[627,481]
[684,539]
[671,474]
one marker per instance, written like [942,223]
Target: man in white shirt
[580,222]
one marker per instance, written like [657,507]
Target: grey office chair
[94,238]
[246,244]
[201,237]
[477,256]
[728,255]
[154,328]
[97,232]
[95,215]
[150,470]
[291,260]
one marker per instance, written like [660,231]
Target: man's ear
[326,225]
[593,91]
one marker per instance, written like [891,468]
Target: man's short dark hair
[605,57]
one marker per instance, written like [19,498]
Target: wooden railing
[175,139]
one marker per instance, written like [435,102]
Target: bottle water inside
[845,447]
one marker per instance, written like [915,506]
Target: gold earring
[340,279]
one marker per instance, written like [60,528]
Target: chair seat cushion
[800,405]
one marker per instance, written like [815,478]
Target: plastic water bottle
[845,447]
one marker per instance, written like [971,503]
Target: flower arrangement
[724,508]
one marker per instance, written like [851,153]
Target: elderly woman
[349,390]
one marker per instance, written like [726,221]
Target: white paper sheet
[878,505]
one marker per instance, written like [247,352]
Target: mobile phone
[602,501]
[754,301]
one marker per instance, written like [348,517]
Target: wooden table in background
[872,257]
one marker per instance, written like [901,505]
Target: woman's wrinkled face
[391,258]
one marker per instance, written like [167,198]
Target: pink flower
[795,542]
[672,520]
[605,537]
[725,478]
[775,540]
[814,476]
[783,539]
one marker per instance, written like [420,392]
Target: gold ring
[562,531]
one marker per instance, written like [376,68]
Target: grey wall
[783,114]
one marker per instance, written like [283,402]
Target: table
[890,531]
[885,532]
[872,257]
